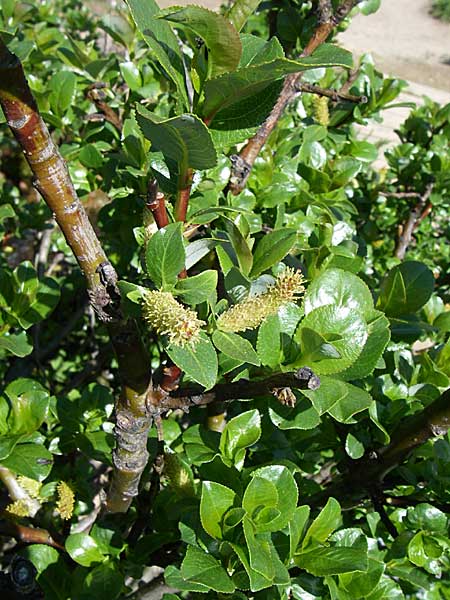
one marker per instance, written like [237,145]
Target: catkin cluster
[168,317]
[253,310]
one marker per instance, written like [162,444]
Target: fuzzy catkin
[66,500]
[168,317]
[253,310]
[321,112]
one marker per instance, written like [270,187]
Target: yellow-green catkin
[321,113]
[168,317]
[31,486]
[19,508]
[253,310]
[65,501]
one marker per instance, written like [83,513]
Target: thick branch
[28,535]
[243,389]
[54,184]
[243,163]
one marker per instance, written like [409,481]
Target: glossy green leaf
[240,246]
[302,416]
[338,398]
[239,433]
[405,289]
[377,340]
[235,346]
[271,487]
[164,255]
[268,345]
[332,561]
[197,289]
[62,86]
[221,38]
[103,582]
[216,501]
[24,407]
[230,88]
[184,139]
[200,567]
[297,526]
[83,549]
[16,343]
[342,288]
[324,524]
[344,329]
[163,42]
[353,447]
[272,248]
[240,11]
[199,362]
[31,460]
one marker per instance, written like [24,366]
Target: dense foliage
[326,261]
[441,9]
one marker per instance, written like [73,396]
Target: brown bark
[243,163]
[53,181]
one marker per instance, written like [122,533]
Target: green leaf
[361,584]
[335,286]
[47,298]
[324,524]
[363,151]
[41,556]
[6,212]
[296,527]
[62,91]
[199,362]
[103,582]
[405,289]
[184,139]
[268,345]
[263,556]
[240,11]
[164,255]
[16,343]
[31,460]
[301,416]
[338,398]
[426,516]
[235,346]
[332,561]
[215,502]
[174,579]
[162,41]
[90,156]
[345,329]
[230,88]
[203,568]
[258,581]
[196,250]
[26,407]
[240,246]
[221,38]
[377,340]
[199,288]
[272,248]
[131,74]
[271,487]
[353,447]
[83,549]
[239,433]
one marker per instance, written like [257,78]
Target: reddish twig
[156,203]
[28,535]
[243,163]
[182,201]
[96,93]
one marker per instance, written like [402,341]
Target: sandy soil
[405,41]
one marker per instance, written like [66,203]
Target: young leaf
[272,248]
[324,524]
[163,43]
[302,416]
[16,343]
[221,38]
[184,139]
[235,346]
[200,567]
[344,329]
[197,289]
[199,362]
[230,88]
[164,256]
[83,549]
[332,561]
[405,289]
[30,460]
[240,432]
[240,246]
[240,11]
[215,502]
[268,345]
